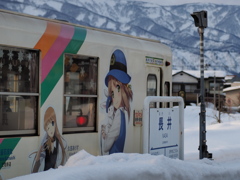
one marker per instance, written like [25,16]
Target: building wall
[233,98]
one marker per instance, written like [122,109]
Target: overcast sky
[177,2]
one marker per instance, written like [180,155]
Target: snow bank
[135,166]
[222,140]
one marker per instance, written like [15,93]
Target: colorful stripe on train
[55,41]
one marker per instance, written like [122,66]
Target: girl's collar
[53,139]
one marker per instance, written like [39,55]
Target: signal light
[200,19]
[167,63]
[81,120]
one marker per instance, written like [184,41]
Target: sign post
[164,132]
[163,128]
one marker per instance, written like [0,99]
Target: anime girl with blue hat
[119,97]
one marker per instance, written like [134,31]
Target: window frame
[152,104]
[218,85]
[72,130]
[36,94]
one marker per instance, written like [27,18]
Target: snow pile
[223,142]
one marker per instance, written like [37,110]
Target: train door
[154,84]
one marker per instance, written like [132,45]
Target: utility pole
[200,19]
[214,92]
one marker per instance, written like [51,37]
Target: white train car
[65,87]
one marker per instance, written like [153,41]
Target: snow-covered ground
[223,142]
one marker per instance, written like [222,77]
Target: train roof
[78,25]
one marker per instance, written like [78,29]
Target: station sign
[164,132]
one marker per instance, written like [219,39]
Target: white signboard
[164,132]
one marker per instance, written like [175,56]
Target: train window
[19,91]
[80,93]
[152,87]
[167,91]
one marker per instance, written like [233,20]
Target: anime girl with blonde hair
[119,97]
[52,150]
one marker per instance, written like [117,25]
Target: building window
[19,91]
[218,86]
[190,88]
[176,88]
[80,93]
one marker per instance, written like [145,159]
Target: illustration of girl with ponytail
[117,104]
[51,153]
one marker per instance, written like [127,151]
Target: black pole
[200,20]
[202,126]
[203,153]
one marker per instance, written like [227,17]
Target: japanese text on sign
[154,61]
[164,132]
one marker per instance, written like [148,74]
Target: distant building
[232,95]
[189,81]
[229,80]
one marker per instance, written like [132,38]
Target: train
[65,87]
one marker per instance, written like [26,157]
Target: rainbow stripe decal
[6,148]
[57,40]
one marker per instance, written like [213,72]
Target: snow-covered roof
[229,77]
[231,88]
[196,73]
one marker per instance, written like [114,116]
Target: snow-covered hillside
[172,25]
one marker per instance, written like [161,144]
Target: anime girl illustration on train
[117,105]
[52,150]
